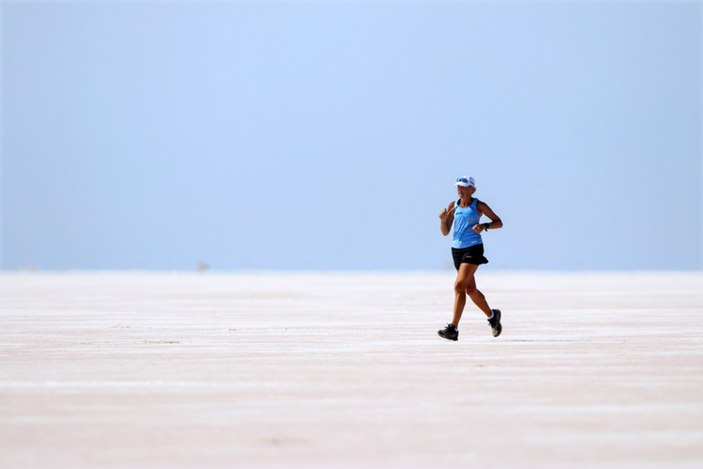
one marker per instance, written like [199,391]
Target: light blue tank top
[464,220]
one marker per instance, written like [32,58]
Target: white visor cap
[465,181]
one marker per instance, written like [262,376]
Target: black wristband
[486,225]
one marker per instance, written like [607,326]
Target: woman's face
[465,192]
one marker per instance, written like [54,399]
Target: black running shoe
[496,326]
[450,332]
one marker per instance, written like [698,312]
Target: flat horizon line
[345,271]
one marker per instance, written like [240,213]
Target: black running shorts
[471,255]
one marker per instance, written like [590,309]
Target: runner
[467,251]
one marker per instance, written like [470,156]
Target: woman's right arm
[446,218]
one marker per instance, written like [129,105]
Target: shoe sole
[448,338]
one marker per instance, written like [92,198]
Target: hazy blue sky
[327,135]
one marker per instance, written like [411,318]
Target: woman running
[467,251]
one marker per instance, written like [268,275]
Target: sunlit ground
[337,369]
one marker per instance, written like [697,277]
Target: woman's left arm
[495,223]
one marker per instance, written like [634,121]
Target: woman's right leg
[464,278]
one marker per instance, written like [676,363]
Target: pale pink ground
[332,369]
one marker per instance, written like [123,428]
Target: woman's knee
[460,286]
[465,285]
[465,279]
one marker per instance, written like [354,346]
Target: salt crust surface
[128,369]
